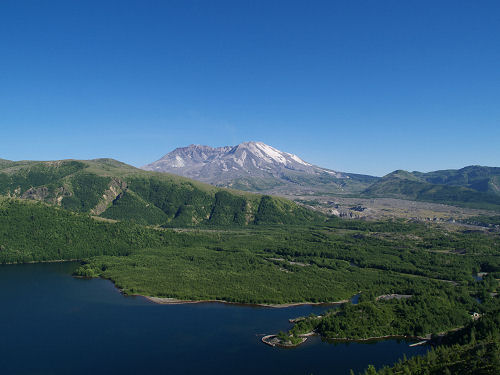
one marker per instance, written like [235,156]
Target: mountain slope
[255,166]
[5,163]
[114,190]
[415,186]
[483,179]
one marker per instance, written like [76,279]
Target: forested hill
[474,349]
[475,187]
[114,190]
[32,231]
[483,179]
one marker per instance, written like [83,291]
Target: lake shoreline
[175,301]
[273,340]
[378,338]
[43,261]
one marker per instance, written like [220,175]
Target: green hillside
[474,349]
[5,163]
[483,179]
[114,190]
[33,231]
[415,186]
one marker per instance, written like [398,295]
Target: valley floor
[386,208]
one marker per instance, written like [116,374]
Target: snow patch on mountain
[267,152]
[178,162]
[299,160]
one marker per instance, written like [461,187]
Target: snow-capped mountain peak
[248,160]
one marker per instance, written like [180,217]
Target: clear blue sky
[357,86]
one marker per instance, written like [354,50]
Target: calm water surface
[52,323]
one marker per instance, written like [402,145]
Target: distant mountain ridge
[255,166]
[476,177]
[472,186]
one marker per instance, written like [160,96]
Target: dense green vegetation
[87,191]
[22,180]
[33,231]
[5,163]
[475,349]
[131,206]
[31,174]
[425,309]
[118,191]
[185,204]
[430,309]
[268,264]
[320,263]
[484,179]
[324,262]
[484,221]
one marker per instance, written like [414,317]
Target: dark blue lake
[52,323]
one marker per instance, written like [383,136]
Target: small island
[284,340]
